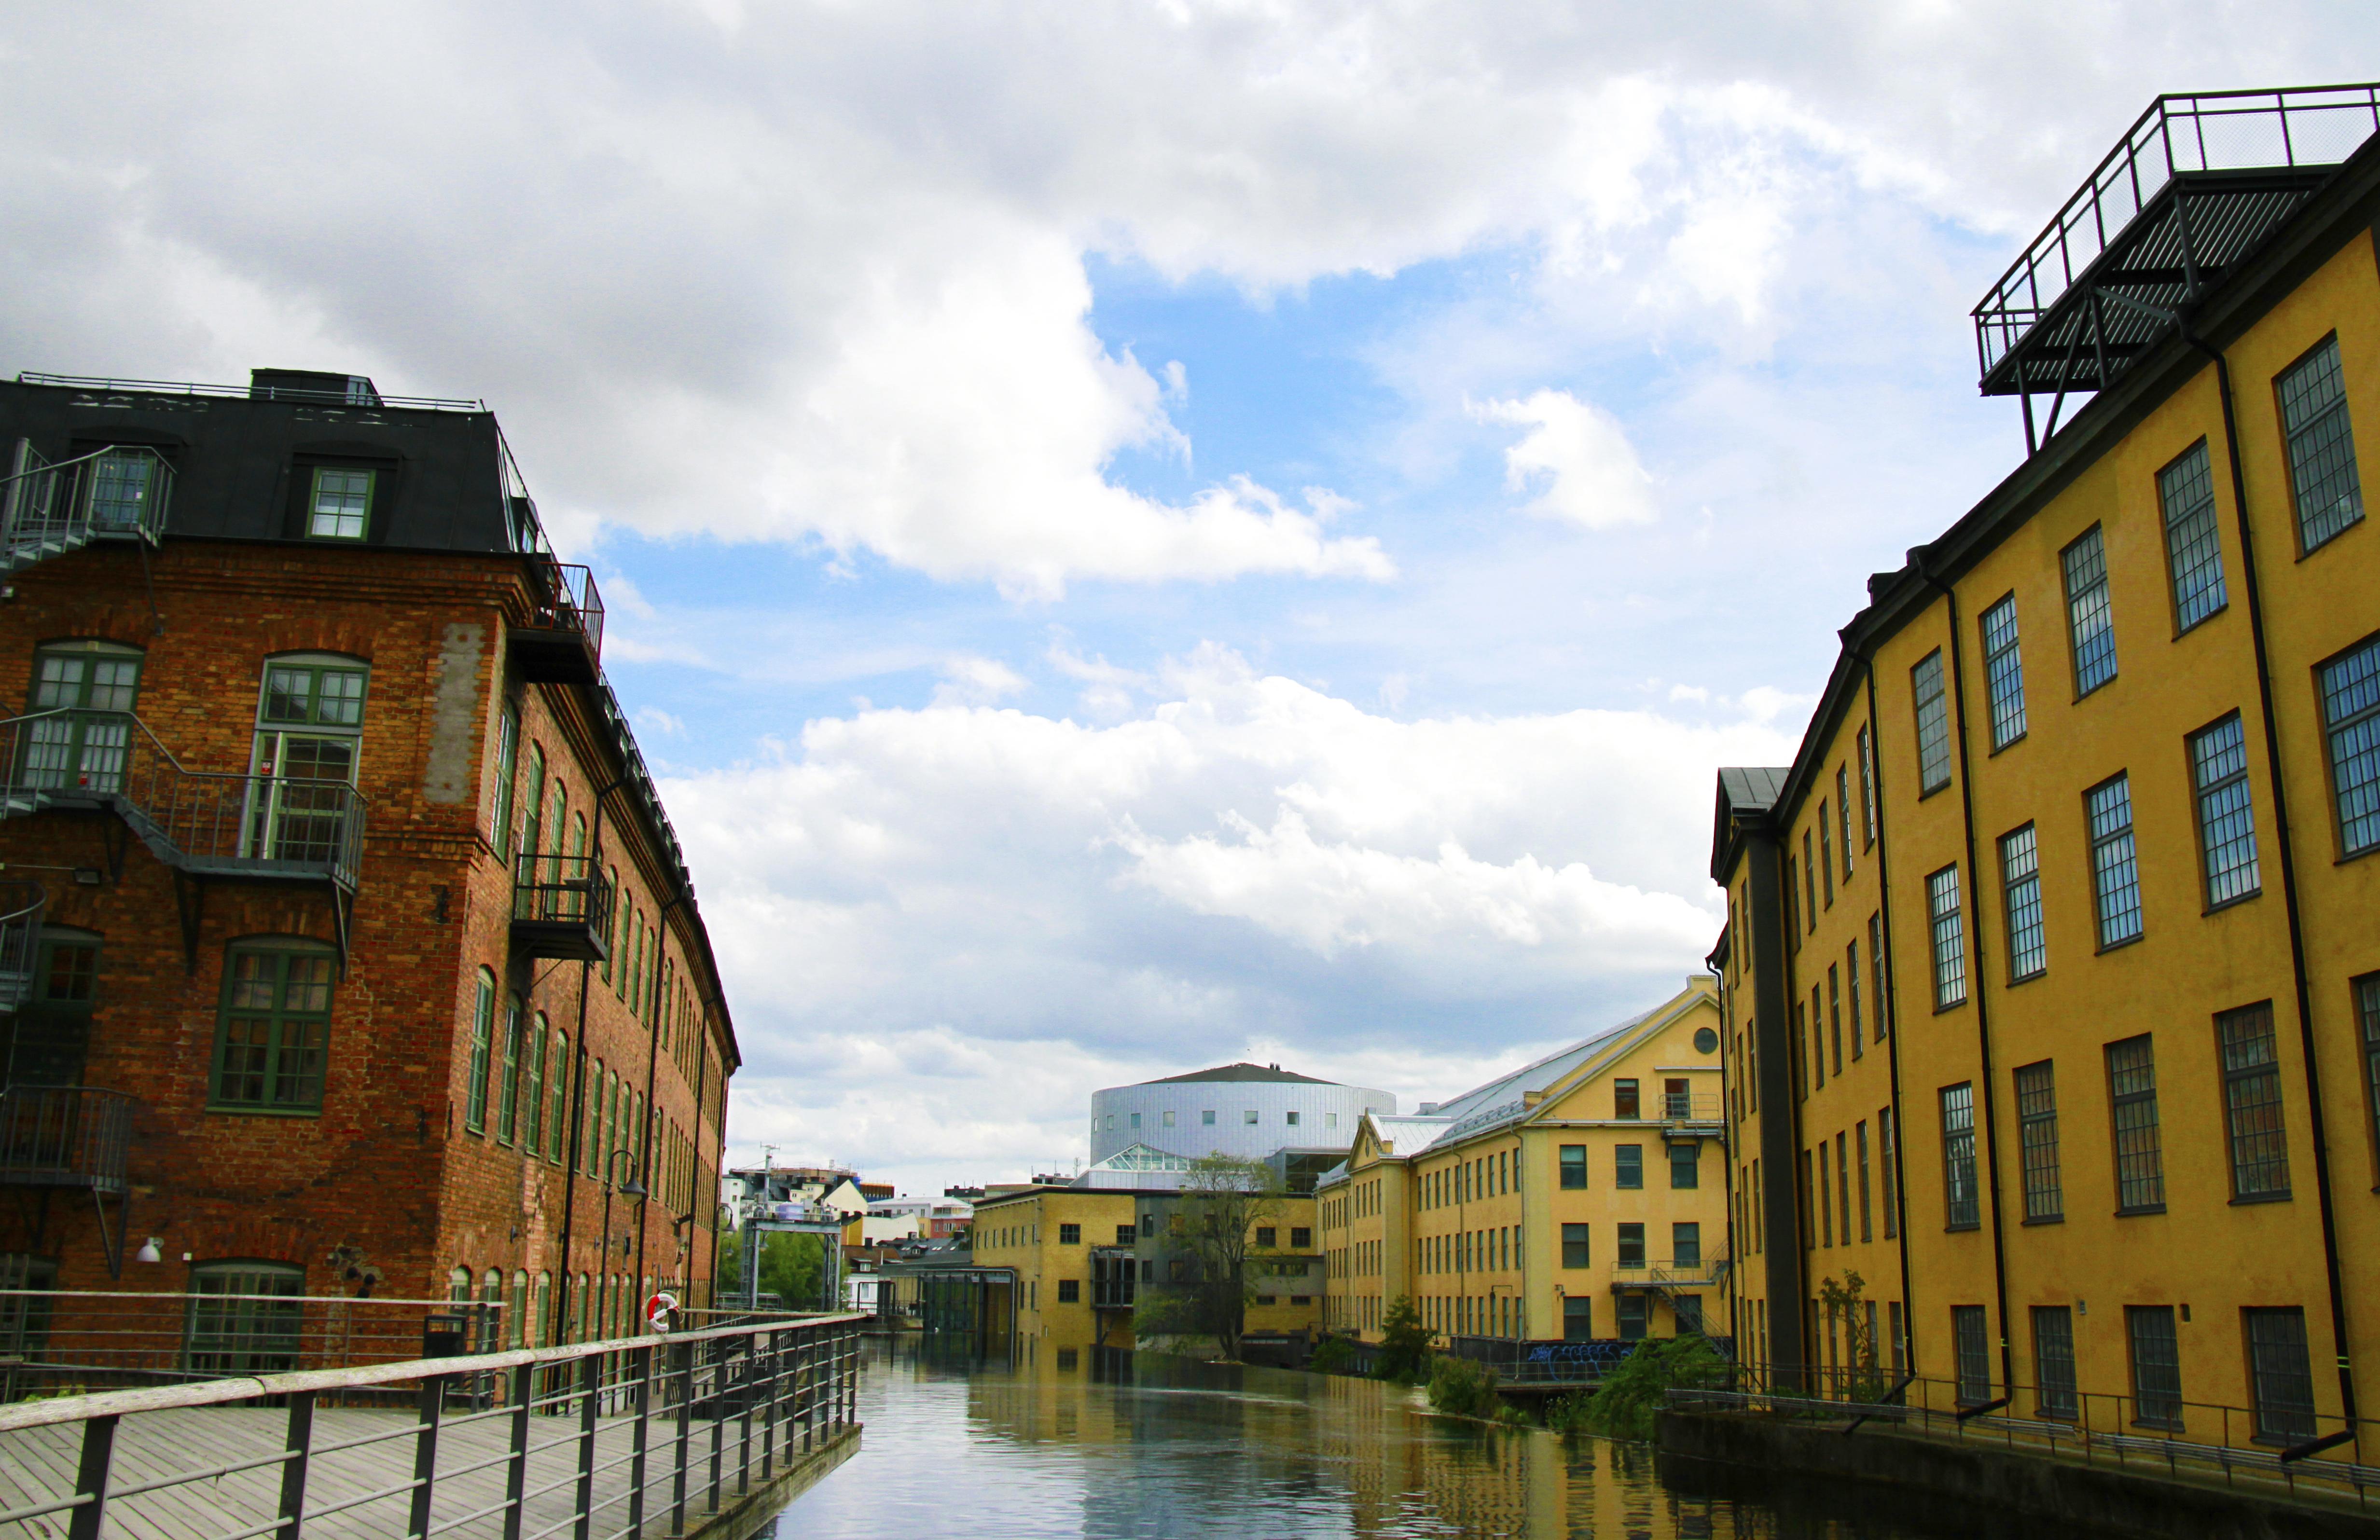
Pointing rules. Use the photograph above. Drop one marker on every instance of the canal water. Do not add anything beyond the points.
(1165, 1448)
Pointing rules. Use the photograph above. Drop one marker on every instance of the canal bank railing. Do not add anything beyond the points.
(2311, 1454)
(608, 1440)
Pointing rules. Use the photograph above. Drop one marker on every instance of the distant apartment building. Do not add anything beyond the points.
(1581, 1197)
(2052, 975)
(349, 944)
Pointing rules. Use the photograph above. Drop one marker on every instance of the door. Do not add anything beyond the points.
(92, 685)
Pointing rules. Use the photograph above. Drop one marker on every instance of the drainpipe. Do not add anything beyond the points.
(1990, 1109)
(1888, 1002)
(2317, 1125)
(578, 1092)
(652, 1069)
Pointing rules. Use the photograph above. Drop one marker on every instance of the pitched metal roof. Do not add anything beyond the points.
(1273, 1073)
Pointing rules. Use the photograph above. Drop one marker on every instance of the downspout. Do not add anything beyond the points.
(578, 1092)
(2288, 877)
(1975, 953)
(1799, 1084)
(652, 1069)
(1889, 1003)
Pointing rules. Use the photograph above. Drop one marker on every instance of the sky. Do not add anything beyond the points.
(1140, 535)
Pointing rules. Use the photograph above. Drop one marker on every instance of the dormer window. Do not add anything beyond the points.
(339, 507)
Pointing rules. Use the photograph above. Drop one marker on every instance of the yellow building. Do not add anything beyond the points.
(2085, 1093)
(1285, 1264)
(1582, 1197)
(1057, 1254)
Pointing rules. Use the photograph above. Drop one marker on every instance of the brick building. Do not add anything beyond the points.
(349, 939)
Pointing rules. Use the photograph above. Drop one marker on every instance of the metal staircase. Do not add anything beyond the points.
(48, 509)
(207, 826)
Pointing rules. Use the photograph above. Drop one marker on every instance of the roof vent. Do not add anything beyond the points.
(1272, 1066)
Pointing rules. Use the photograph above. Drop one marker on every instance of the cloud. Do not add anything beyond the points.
(1245, 858)
(977, 682)
(1580, 457)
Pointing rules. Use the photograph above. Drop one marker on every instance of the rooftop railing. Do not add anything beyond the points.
(107, 385)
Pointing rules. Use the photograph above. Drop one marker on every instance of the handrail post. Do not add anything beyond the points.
(92, 1477)
(590, 1380)
(644, 1430)
(718, 1421)
(524, 1395)
(744, 1430)
(425, 1453)
(299, 1445)
(684, 1437)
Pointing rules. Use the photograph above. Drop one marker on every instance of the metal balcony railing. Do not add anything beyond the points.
(561, 906)
(1684, 1108)
(74, 1136)
(1681, 1272)
(276, 822)
(48, 509)
(562, 642)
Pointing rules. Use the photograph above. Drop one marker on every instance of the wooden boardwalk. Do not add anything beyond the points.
(39, 1463)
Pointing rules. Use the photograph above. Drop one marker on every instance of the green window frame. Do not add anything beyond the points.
(557, 1080)
(533, 804)
(84, 749)
(533, 1094)
(507, 767)
(339, 503)
(229, 1330)
(272, 1034)
(483, 1022)
(51, 1039)
(508, 1095)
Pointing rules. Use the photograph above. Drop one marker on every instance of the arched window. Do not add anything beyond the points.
(500, 824)
(542, 1327)
(273, 1034)
(92, 685)
(557, 1080)
(533, 804)
(475, 1090)
(517, 1313)
(458, 1286)
(508, 1095)
(533, 1094)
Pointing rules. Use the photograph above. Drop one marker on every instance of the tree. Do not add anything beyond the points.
(1404, 1341)
(1223, 1200)
(1859, 1377)
(790, 1265)
(1624, 1405)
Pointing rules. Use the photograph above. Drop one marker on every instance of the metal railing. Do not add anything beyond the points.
(569, 601)
(21, 904)
(248, 392)
(65, 1136)
(1683, 1106)
(280, 821)
(1706, 1272)
(549, 889)
(2177, 135)
(2284, 1446)
(618, 1439)
(48, 508)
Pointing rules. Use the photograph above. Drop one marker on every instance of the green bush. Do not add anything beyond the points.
(1570, 1413)
(1623, 1408)
(1330, 1356)
(1404, 1343)
(1461, 1388)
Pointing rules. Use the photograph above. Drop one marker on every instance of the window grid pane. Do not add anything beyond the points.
(2367, 1000)
(2053, 1360)
(2277, 1352)
(1974, 1353)
(1949, 938)
(2194, 552)
(2251, 1103)
(2004, 673)
(2226, 823)
(274, 1037)
(341, 500)
(2350, 702)
(2114, 867)
(1960, 1208)
(2090, 618)
(2321, 446)
(2037, 1104)
(2156, 1366)
(1933, 724)
(2139, 1155)
(2021, 880)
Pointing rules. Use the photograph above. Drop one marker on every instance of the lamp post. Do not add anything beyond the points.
(631, 1188)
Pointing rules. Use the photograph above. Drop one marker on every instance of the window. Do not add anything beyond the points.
(1070, 1291)
(2193, 553)
(1868, 1212)
(1960, 1206)
(1685, 1245)
(508, 1094)
(2021, 895)
(339, 505)
(2036, 1113)
(1826, 852)
(1301, 1238)
(1136, 1119)
(1573, 1157)
(84, 749)
(2226, 823)
(2321, 446)
(1070, 1235)
(2284, 1380)
(1852, 993)
(1265, 1236)
(52, 1041)
(121, 481)
(2351, 699)
(2053, 1361)
(1169, 1120)
(1818, 1037)
(1250, 1115)
(1809, 881)
(2139, 1155)
(272, 1036)
(1628, 1166)
(2156, 1366)
(1207, 1120)
(243, 1318)
(1835, 1014)
(1624, 1099)
(2003, 673)
(2251, 1103)
(1632, 1246)
(557, 1082)
(1867, 790)
(1949, 938)
(2090, 618)
(1290, 1118)
(2115, 870)
(1876, 968)
(308, 725)
(2367, 1006)
(1933, 724)
(1843, 814)
(1685, 1165)
(1974, 1349)
(1578, 1318)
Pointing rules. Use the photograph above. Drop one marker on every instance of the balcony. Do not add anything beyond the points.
(48, 509)
(1686, 1117)
(1679, 1274)
(561, 907)
(1114, 1272)
(562, 642)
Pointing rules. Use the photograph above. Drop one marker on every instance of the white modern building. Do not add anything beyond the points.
(1246, 1110)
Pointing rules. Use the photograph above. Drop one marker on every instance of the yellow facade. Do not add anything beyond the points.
(2152, 1138)
(1045, 1237)
(1581, 1197)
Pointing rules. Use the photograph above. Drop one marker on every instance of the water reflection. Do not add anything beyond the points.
(1113, 1445)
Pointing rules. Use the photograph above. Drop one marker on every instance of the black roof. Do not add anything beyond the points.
(1745, 791)
(1242, 1072)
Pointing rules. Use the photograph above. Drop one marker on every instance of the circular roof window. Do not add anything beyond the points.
(1705, 1040)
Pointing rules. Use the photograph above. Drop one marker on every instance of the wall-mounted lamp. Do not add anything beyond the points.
(149, 1252)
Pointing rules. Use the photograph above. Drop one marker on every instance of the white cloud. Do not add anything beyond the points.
(1578, 459)
(977, 682)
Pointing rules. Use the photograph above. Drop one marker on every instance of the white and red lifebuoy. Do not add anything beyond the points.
(658, 1311)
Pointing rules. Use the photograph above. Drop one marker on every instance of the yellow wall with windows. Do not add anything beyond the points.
(1028, 1231)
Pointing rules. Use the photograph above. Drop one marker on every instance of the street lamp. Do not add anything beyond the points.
(631, 1188)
